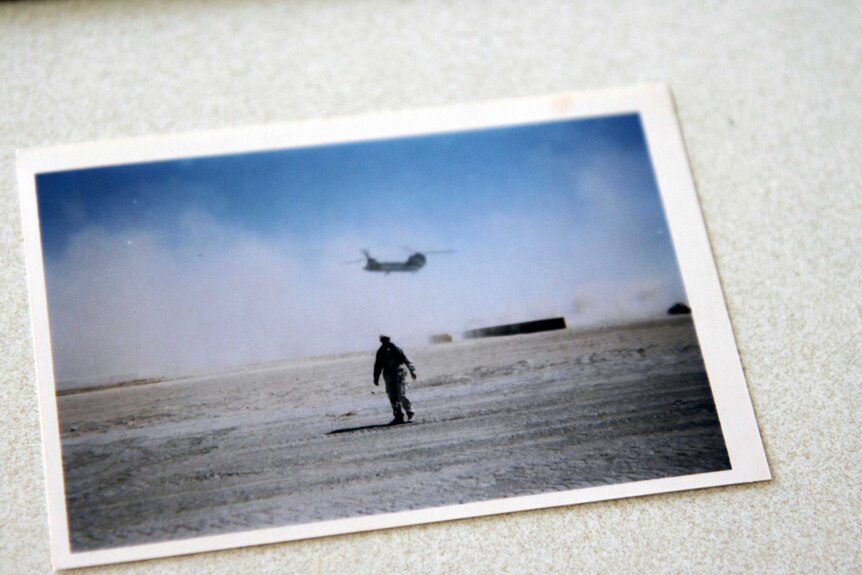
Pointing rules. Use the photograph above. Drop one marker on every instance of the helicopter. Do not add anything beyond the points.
(414, 263)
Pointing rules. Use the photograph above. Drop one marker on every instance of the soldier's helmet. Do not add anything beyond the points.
(384, 339)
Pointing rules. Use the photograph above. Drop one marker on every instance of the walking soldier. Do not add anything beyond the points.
(392, 362)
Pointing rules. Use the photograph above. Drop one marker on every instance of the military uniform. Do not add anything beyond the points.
(394, 364)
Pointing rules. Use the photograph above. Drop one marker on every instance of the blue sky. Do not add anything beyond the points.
(209, 262)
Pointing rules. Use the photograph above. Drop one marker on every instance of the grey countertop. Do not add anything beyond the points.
(768, 98)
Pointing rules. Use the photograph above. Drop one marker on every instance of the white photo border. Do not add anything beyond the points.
(654, 105)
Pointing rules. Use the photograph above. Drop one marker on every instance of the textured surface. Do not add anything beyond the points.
(497, 417)
(767, 95)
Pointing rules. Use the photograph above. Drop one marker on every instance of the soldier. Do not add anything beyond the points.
(391, 360)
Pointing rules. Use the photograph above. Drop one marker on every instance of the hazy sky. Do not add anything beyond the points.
(206, 263)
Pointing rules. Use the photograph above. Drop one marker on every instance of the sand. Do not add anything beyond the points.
(496, 417)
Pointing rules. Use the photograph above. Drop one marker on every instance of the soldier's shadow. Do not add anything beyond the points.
(364, 428)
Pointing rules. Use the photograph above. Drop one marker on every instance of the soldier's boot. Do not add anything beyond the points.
(399, 418)
(410, 416)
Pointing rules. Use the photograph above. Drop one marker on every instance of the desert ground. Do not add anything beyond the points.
(495, 418)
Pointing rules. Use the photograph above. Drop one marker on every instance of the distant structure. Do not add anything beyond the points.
(518, 328)
(679, 309)
(441, 338)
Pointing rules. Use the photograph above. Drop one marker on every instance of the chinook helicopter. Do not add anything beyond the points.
(414, 263)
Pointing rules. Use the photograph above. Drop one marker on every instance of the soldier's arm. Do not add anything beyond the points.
(378, 367)
(409, 365)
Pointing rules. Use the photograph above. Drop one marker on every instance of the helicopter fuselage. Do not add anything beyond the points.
(413, 264)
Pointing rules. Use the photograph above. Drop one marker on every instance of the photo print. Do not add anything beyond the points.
(277, 333)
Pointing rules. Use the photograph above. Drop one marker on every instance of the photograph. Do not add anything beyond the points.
(351, 324)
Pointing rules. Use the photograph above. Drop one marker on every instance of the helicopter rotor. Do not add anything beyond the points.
(412, 251)
(359, 261)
